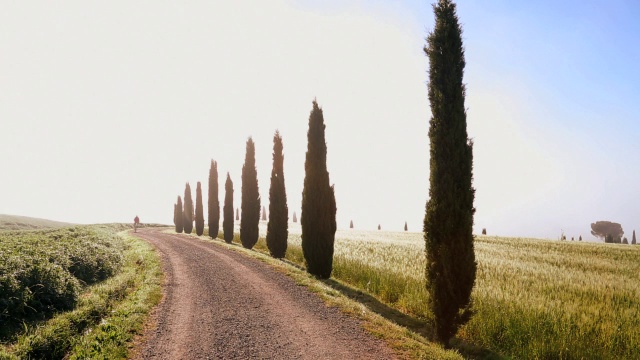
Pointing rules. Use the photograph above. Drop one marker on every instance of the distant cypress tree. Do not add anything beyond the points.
(188, 210)
(448, 223)
(199, 211)
(580, 238)
(237, 214)
(633, 239)
(351, 224)
(625, 241)
(214, 202)
(484, 231)
(227, 222)
(318, 215)
(379, 227)
(250, 205)
(175, 213)
(278, 226)
(295, 218)
(406, 228)
(179, 216)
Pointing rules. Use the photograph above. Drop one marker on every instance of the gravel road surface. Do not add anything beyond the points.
(220, 304)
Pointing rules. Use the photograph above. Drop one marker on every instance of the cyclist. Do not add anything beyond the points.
(136, 222)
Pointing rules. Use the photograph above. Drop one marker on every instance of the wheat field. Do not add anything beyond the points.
(534, 299)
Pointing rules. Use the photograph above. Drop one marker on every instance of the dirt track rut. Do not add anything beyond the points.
(219, 304)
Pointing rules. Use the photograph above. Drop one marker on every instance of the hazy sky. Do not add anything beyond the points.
(108, 108)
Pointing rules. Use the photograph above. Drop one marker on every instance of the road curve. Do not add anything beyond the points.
(219, 304)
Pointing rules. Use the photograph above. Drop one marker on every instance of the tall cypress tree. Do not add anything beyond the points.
(318, 215)
(214, 203)
(406, 228)
(188, 210)
(264, 214)
(448, 223)
(295, 218)
(199, 211)
(250, 199)
(237, 214)
(278, 226)
(227, 222)
(175, 213)
(351, 224)
(179, 216)
(633, 239)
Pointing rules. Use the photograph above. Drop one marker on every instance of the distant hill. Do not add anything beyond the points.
(14, 222)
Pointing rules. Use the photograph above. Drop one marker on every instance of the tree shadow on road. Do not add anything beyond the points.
(422, 327)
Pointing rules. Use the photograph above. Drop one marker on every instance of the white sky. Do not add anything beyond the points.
(108, 108)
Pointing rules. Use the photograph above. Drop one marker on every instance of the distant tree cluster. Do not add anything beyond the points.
(610, 232)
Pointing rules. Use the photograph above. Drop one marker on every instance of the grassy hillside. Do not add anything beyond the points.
(14, 222)
(533, 298)
(76, 292)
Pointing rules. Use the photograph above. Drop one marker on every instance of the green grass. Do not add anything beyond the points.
(106, 315)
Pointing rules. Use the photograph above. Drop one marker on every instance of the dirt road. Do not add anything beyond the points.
(220, 304)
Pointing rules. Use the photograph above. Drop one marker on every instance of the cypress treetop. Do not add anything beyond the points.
(188, 210)
(318, 215)
(250, 220)
(448, 223)
(227, 222)
(199, 211)
(179, 216)
(213, 203)
(278, 226)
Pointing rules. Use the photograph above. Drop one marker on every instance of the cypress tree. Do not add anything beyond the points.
(580, 238)
(264, 213)
(214, 203)
(448, 223)
(250, 199)
(199, 211)
(227, 222)
(295, 218)
(278, 226)
(484, 231)
(351, 224)
(178, 216)
(318, 215)
(379, 227)
(625, 241)
(406, 228)
(188, 210)
(633, 238)
(237, 214)
(175, 213)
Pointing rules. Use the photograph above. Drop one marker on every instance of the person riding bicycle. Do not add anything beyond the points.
(136, 222)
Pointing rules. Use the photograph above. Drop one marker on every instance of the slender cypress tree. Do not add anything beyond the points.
(295, 218)
(175, 213)
(227, 222)
(633, 238)
(406, 228)
(379, 227)
(178, 216)
(237, 214)
(448, 223)
(214, 203)
(318, 215)
(188, 210)
(264, 214)
(250, 199)
(278, 226)
(351, 224)
(199, 211)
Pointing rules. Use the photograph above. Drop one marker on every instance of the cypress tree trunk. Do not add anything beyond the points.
(451, 265)
(227, 222)
(179, 216)
(199, 211)
(214, 203)
(188, 210)
(318, 215)
(250, 199)
(278, 226)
